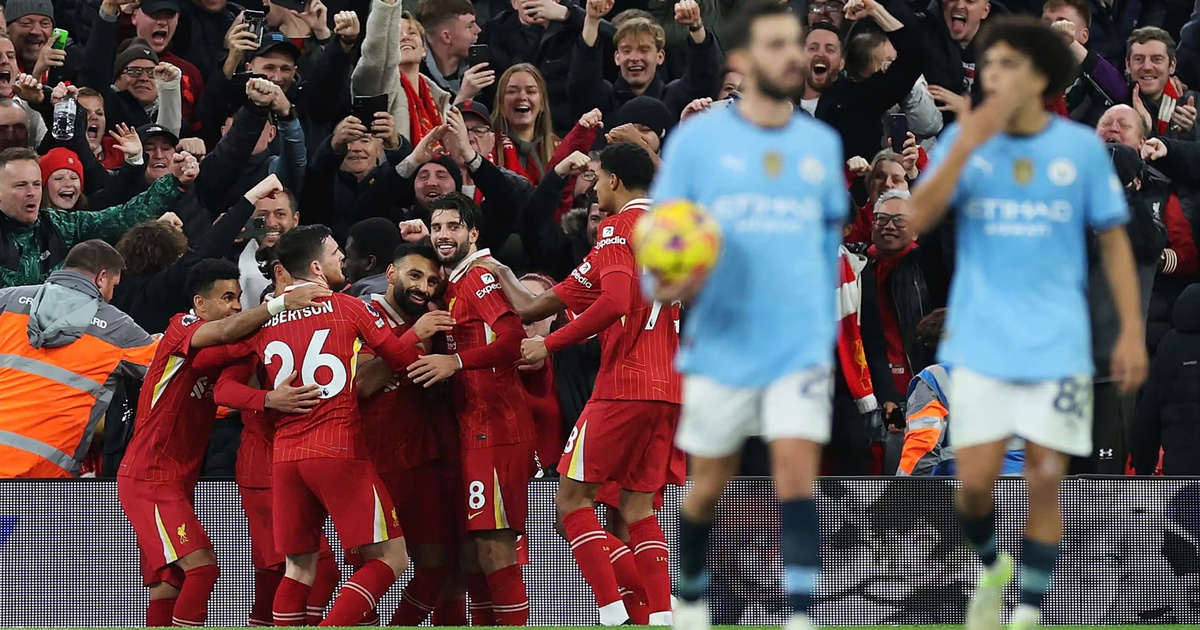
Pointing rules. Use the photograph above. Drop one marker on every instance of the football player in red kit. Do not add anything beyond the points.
(238, 388)
(625, 433)
(399, 420)
(320, 459)
(495, 424)
(157, 479)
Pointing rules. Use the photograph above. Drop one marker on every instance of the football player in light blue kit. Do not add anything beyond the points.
(758, 343)
(1027, 186)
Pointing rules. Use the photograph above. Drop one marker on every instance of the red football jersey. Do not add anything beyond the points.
(320, 344)
(176, 409)
(399, 420)
(637, 354)
(490, 403)
(253, 468)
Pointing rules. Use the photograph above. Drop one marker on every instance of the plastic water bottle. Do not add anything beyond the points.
(63, 127)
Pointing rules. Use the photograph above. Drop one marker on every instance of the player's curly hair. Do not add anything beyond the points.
(468, 211)
(1043, 45)
(151, 246)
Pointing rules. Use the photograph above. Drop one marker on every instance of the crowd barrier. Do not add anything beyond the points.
(891, 554)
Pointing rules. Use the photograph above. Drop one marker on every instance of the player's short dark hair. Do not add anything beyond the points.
(93, 256)
(1043, 45)
(631, 164)
(740, 28)
(208, 272)
(423, 249)
(468, 211)
(1148, 34)
(376, 237)
(1082, 7)
(299, 247)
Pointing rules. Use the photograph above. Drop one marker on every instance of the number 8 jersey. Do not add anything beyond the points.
(320, 344)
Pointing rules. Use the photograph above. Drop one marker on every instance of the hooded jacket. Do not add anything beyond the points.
(28, 253)
(1168, 415)
(64, 351)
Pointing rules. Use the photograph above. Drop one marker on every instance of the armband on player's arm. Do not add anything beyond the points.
(503, 352)
(616, 294)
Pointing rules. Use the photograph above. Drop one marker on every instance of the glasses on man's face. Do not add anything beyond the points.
(881, 220)
(588, 176)
(137, 72)
(481, 130)
(825, 7)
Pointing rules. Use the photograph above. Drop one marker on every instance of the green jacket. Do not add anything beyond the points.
(28, 253)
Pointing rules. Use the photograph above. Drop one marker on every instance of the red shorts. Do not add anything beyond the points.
(256, 503)
(349, 490)
(166, 526)
(497, 483)
(629, 442)
(424, 511)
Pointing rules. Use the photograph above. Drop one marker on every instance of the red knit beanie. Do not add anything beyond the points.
(60, 158)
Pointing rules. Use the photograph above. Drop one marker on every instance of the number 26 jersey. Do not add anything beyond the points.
(320, 344)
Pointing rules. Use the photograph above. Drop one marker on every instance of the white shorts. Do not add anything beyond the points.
(717, 418)
(1054, 414)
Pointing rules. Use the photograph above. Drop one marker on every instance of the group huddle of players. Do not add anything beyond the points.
(403, 417)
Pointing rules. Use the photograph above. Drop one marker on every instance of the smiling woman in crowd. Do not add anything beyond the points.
(523, 116)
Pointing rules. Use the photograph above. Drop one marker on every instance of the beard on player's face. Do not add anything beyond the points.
(451, 258)
(412, 301)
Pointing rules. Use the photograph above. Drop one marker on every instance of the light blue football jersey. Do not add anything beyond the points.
(1018, 302)
(767, 309)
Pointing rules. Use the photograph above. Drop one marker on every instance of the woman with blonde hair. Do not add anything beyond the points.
(522, 116)
(392, 51)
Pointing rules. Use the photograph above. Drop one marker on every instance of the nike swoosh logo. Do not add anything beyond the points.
(472, 516)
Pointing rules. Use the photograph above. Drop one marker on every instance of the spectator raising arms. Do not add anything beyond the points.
(415, 101)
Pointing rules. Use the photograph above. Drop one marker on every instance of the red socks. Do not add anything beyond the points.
(633, 593)
(159, 612)
(481, 600)
(451, 612)
(191, 608)
(360, 595)
(592, 550)
(290, 600)
(650, 552)
(266, 582)
(510, 603)
(419, 597)
(321, 591)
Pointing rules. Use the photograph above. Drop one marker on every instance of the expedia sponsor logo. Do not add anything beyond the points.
(579, 274)
(482, 293)
(612, 240)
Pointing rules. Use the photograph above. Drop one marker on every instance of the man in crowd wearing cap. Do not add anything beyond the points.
(156, 22)
(30, 24)
(133, 78)
(643, 121)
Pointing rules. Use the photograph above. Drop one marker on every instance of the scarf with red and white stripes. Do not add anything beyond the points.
(851, 356)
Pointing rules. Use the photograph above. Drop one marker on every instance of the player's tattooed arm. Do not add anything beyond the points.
(530, 306)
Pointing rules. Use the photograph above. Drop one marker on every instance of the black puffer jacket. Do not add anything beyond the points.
(1168, 416)
(917, 288)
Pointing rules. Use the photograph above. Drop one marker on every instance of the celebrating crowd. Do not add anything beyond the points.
(166, 164)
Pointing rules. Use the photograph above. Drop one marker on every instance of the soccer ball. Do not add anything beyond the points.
(676, 240)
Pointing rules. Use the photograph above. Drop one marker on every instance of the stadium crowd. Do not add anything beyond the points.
(187, 132)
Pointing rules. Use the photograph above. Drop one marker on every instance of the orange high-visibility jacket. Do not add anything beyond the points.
(53, 397)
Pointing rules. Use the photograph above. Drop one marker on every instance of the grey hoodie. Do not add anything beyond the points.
(63, 309)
